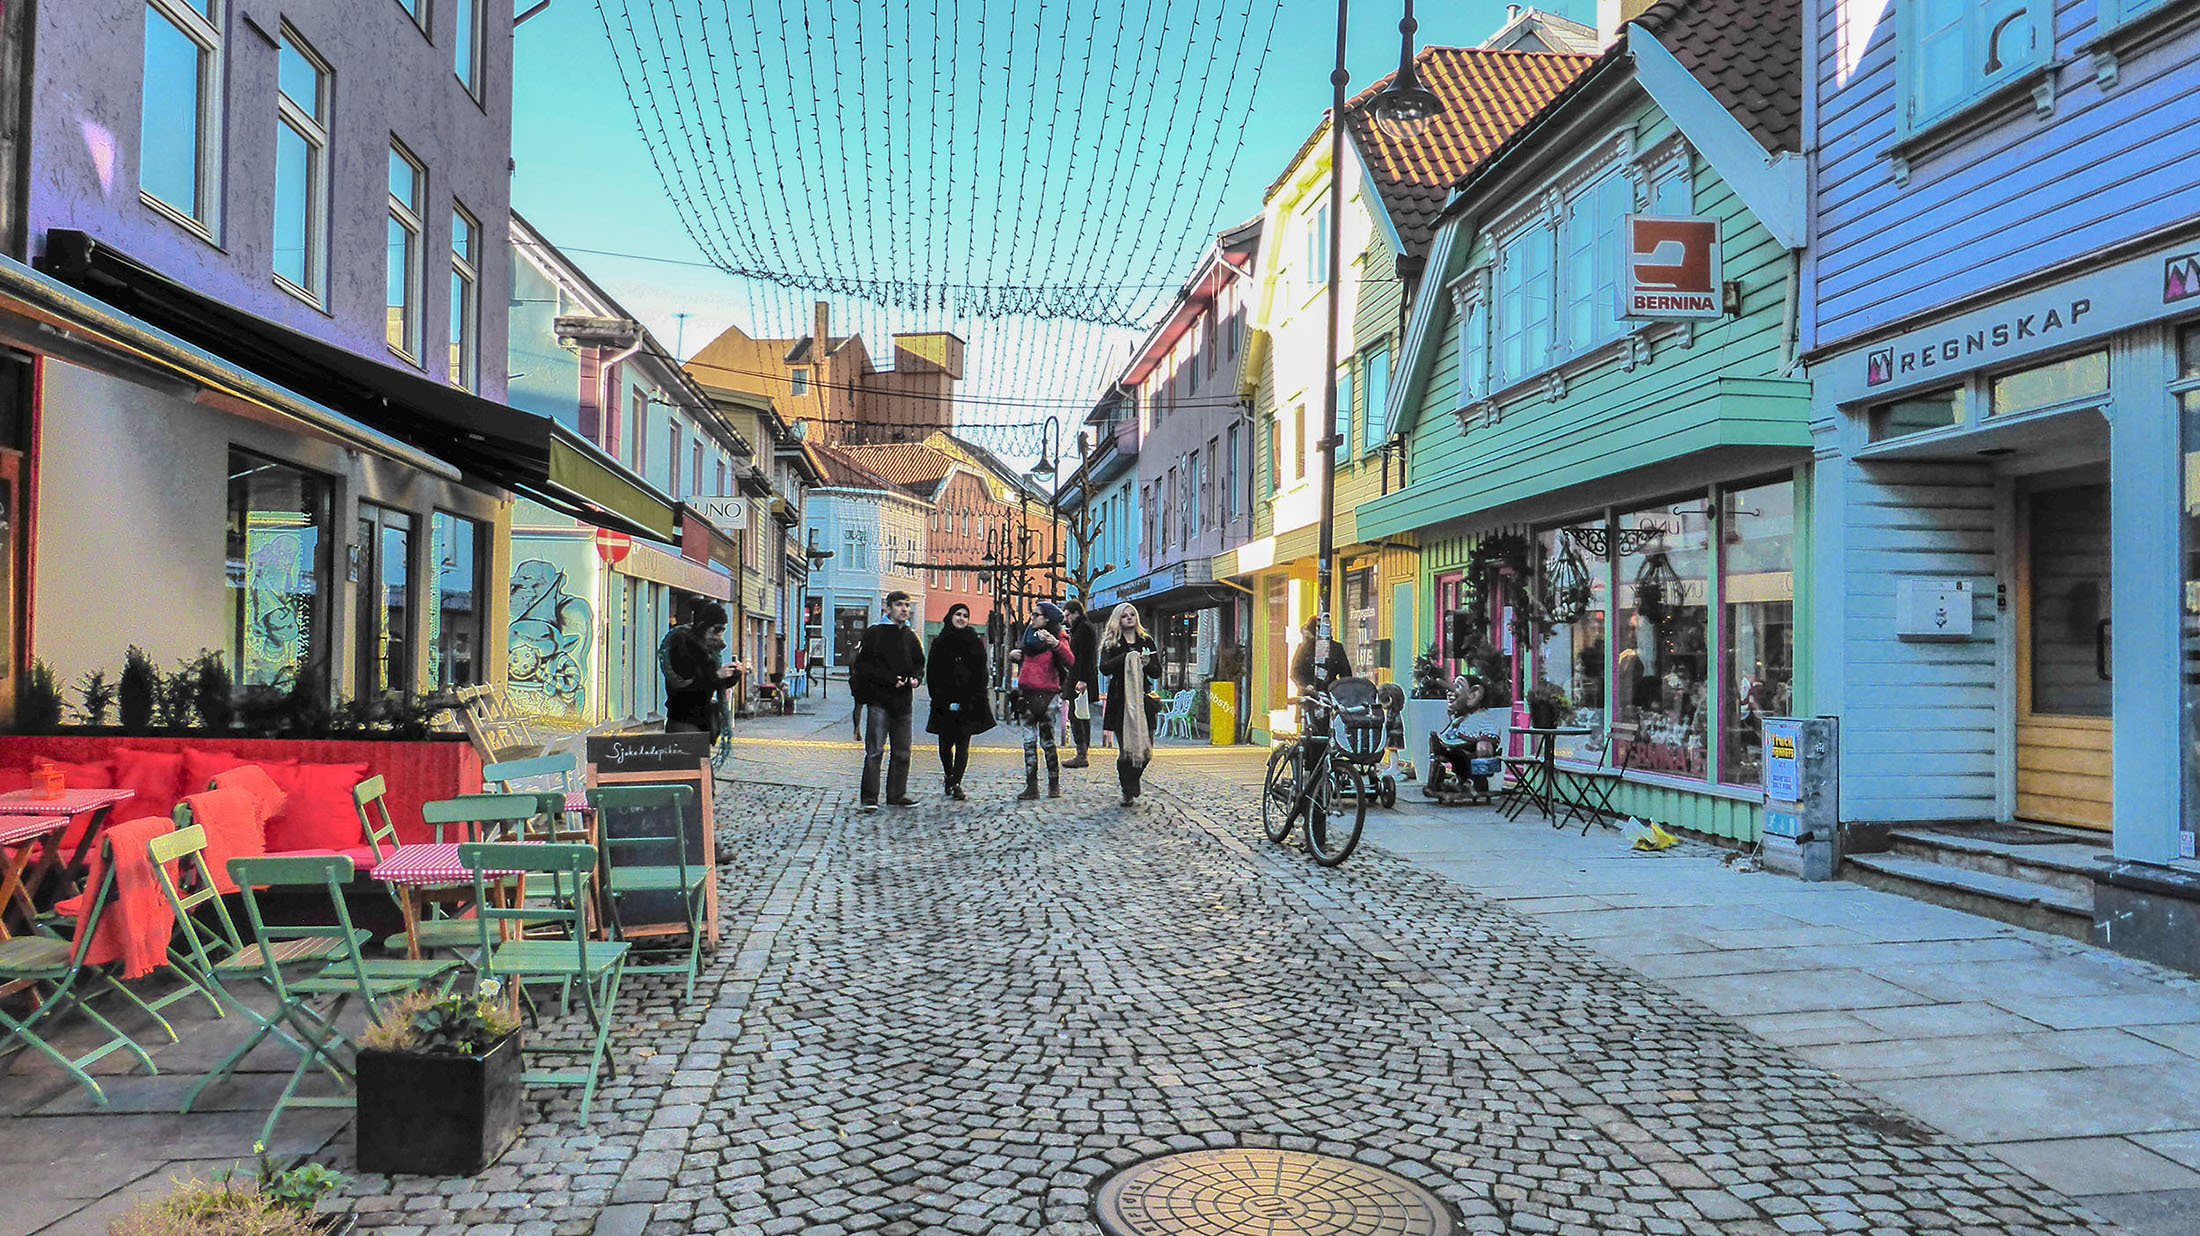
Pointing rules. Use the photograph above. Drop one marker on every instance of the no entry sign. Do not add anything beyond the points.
(613, 547)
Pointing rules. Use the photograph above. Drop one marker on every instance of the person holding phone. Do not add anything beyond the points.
(888, 667)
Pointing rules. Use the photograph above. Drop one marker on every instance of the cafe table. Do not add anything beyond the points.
(415, 870)
(25, 840)
(96, 807)
(1538, 783)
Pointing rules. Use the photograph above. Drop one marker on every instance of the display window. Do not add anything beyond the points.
(1757, 624)
(2187, 390)
(278, 572)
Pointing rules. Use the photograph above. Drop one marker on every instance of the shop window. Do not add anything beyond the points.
(2188, 404)
(2073, 379)
(456, 620)
(1757, 623)
(1279, 651)
(1574, 592)
(1448, 590)
(1917, 414)
(1660, 670)
(381, 574)
(278, 569)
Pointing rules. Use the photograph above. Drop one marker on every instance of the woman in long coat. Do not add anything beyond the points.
(1131, 662)
(962, 705)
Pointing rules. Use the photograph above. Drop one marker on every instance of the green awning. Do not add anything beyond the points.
(582, 474)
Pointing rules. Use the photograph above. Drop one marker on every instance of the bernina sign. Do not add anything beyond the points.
(1672, 269)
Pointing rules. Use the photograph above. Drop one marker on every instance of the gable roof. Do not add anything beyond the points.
(844, 471)
(1748, 54)
(906, 465)
(1486, 95)
(1532, 29)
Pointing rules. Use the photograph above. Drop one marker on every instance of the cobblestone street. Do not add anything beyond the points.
(963, 1017)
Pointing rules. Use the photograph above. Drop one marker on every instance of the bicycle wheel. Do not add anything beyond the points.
(1279, 791)
(1333, 825)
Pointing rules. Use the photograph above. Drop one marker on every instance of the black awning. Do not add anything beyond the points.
(530, 455)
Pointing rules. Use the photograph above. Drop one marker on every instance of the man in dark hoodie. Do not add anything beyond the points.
(1084, 689)
(888, 665)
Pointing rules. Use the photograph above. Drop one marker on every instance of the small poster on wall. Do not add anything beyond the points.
(1508, 624)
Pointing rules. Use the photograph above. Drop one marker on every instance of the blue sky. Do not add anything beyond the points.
(959, 144)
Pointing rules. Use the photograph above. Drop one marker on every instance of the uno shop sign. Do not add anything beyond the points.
(2162, 283)
(1672, 270)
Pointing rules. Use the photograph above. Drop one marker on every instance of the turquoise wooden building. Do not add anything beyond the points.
(1621, 504)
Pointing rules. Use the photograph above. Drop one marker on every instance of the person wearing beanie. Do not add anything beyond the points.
(1045, 670)
(962, 708)
(1084, 688)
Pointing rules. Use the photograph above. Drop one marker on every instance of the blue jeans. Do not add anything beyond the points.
(882, 728)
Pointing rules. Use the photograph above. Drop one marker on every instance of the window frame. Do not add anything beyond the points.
(314, 130)
(420, 14)
(1378, 413)
(1976, 91)
(468, 61)
(409, 216)
(438, 519)
(1316, 220)
(204, 217)
(465, 302)
(1536, 333)
(1347, 388)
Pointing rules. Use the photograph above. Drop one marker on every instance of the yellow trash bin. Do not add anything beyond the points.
(1222, 713)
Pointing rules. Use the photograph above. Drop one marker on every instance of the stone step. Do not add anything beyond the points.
(2008, 899)
(2070, 866)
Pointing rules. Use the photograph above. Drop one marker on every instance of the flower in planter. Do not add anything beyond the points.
(426, 1023)
(279, 1203)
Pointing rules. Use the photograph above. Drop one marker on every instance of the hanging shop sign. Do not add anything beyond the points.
(731, 514)
(613, 547)
(1672, 269)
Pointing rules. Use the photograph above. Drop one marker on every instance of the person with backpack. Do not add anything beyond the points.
(1046, 668)
(888, 666)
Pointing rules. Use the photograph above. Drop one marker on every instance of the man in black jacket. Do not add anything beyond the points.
(1084, 690)
(888, 665)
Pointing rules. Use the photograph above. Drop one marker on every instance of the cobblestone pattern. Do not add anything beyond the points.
(961, 1018)
(561, 1177)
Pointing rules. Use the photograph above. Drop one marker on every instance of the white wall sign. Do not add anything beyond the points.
(730, 514)
(1670, 269)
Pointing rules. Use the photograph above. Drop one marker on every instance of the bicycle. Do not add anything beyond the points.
(1307, 785)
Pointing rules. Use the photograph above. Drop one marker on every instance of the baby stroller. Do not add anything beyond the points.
(1363, 733)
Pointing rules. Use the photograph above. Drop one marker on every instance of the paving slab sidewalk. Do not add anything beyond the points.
(2075, 1065)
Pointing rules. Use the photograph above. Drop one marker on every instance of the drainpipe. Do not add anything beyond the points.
(606, 368)
(1791, 327)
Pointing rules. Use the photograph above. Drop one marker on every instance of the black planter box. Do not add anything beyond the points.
(437, 1115)
(1543, 714)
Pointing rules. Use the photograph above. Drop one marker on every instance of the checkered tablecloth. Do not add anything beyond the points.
(578, 801)
(71, 802)
(17, 829)
(422, 865)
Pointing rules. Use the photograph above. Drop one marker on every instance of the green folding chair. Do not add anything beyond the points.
(54, 971)
(643, 849)
(476, 817)
(208, 951)
(508, 776)
(568, 958)
(347, 974)
(370, 798)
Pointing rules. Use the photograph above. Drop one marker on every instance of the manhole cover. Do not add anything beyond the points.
(1260, 1192)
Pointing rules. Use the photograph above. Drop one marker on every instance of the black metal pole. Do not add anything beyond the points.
(1325, 567)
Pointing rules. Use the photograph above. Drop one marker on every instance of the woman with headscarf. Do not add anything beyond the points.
(1131, 661)
(961, 708)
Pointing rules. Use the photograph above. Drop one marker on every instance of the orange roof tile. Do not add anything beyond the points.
(1487, 96)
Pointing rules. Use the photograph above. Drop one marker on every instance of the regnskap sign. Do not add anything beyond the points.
(1669, 269)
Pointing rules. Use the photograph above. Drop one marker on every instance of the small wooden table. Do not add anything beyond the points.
(1540, 784)
(95, 805)
(415, 869)
(24, 840)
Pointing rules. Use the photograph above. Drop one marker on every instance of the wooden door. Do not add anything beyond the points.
(2064, 724)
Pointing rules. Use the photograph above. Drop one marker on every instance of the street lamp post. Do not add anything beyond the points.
(1400, 111)
(1050, 467)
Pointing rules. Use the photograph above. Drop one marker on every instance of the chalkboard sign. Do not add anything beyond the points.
(661, 759)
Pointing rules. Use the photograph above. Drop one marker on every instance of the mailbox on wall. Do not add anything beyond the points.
(1932, 608)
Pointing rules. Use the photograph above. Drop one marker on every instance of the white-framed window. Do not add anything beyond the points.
(1951, 53)
(1343, 426)
(465, 300)
(1525, 292)
(1375, 381)
(418, 11)
(1316, 220)
(301, 168)
(798, 382)
(1474, 351)
(1230, 477)
(179, 146)
(408, 186)
(1207, 339)
(466, 46)
(1589, 272)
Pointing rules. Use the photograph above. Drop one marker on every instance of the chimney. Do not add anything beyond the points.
(1613, 16)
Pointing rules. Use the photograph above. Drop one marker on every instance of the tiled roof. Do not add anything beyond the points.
(1748, 54)
(846, 472)
(1487, 96)
(908, 465)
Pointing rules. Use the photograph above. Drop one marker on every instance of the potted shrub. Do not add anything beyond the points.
(277, 1203)
(1547, 706)
(439, 1084)
(1427, 710)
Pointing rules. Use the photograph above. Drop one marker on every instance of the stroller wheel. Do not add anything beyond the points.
(1390, 791)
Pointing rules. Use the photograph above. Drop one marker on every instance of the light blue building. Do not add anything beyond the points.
(1103, 491)
(2001, 321)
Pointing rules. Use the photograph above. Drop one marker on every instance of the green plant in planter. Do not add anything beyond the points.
(451, 1024)
(1429, 682)
(135, 693)
(213, 695)
(1547, 704)
(38, 707)
(95, 697)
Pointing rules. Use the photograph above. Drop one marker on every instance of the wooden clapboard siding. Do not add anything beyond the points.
(1921, 722)
(2108, 164)
(1721, 390)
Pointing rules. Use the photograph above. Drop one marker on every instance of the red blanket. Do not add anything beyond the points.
(137, 923)
(235, 828)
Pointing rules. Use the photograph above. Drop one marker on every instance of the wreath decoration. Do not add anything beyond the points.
(1505, 554)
